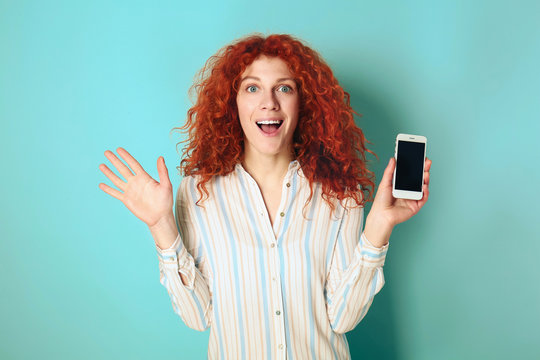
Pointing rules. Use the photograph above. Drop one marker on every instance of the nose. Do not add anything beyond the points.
(269, 101)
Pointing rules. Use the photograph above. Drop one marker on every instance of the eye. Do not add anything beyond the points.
(285, 88)
(251, 88)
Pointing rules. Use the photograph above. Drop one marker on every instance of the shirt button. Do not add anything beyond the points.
(281, 346)
(278, 312)
(273, 244)
(282, 214)
(288, 184)
(274, 279)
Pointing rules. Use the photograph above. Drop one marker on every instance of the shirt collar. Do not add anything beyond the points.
(293, 165)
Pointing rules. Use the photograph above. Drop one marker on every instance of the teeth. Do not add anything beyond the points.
(269, 122)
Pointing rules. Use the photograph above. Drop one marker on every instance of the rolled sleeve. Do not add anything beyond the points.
(176, 259)
(356, 274)
(370, 255)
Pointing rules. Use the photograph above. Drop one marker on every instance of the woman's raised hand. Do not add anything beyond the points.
(147, 199)
(387, 211)
(394, 210)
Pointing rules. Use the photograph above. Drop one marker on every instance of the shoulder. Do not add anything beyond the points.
(185, 189)
(192, 188)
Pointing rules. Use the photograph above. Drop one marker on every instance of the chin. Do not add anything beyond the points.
(269, 150)
(267, 147)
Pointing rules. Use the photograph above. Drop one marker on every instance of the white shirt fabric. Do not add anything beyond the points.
(290, 290)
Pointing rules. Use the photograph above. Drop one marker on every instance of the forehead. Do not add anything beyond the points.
(265, 67)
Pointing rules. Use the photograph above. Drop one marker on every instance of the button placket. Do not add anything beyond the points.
(270, 235)
(279, 320)
(277, 295)
(277, 226)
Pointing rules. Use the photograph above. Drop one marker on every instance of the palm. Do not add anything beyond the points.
(393, 210)
(146, 198)
(401, 210)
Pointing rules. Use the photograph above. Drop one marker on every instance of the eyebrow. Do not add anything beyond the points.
(258, 79)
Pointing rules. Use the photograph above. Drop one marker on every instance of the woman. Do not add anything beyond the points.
(270, 254)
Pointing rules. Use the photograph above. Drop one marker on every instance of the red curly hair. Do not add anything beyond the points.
(328, 145)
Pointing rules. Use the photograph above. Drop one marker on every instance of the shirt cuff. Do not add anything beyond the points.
(177, 243)
(368, 243)
(177, 259)
(176, 253)
(372, 256)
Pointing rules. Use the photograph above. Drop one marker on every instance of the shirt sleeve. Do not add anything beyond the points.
(355, 274)
(193, 301)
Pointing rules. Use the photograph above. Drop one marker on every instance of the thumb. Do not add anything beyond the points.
(162, 171)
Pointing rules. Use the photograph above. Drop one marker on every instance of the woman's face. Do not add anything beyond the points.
(268, 104)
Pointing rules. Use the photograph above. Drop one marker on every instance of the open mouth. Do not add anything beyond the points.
(269, 126)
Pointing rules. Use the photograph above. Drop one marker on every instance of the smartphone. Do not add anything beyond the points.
(410, 157)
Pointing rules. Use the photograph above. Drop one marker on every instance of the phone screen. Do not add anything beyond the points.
(410, 166)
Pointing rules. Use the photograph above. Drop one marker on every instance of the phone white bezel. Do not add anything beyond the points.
(404, 194)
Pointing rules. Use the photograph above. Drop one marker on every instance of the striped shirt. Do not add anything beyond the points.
(290, 290)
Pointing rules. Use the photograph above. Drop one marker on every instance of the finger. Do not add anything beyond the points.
(424, 199)
(112, 176)
(133, 164)
(113, 192)
(163, 173)
(426, 178)
(386, 180)
(427, 165)
(120, 166)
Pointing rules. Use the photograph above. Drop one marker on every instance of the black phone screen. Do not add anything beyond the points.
(410, 165)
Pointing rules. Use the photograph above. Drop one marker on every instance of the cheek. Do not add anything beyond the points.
(293, 108)
(245, 109)
(244, 115)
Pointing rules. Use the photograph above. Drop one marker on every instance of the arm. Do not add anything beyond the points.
(185, 278)
(355, 274)
(356, 270)
(152, 201)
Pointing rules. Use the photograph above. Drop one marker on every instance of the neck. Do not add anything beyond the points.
(266, 169)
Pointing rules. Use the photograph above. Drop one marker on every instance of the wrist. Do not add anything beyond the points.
(378, 230)
(165, 222)
(164, 232)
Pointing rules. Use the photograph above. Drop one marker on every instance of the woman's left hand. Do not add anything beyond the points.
(387, 211)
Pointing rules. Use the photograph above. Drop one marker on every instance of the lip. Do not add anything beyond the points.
(274, 133)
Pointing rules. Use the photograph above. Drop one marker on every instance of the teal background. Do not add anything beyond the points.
(79, 273)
